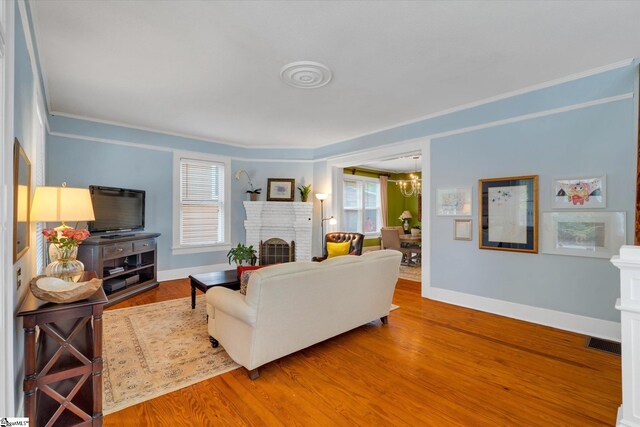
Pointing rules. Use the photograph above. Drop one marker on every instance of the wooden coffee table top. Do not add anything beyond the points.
(217, 278)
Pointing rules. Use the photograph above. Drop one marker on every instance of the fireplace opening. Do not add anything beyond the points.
(276, 251)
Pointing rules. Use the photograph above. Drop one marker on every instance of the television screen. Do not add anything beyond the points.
(116, 209)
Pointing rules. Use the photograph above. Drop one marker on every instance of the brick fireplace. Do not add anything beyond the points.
(289, 221)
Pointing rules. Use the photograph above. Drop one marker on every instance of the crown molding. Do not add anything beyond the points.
(527, 89)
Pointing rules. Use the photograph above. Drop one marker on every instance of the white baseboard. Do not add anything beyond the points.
(183, 273)
(556, 319)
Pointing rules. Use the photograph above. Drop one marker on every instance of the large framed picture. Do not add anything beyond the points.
(587, 234)
(508, 214)
(280, 189)
(453, 201)
(580, 193)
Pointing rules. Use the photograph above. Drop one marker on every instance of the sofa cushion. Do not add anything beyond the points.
(244, 281)
(338, 249)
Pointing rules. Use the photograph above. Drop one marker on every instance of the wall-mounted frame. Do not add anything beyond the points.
(454, 201)
(21, 195)
(280, 189)
(508, 214)
(462, 229)
(586, 234)
(589, 192)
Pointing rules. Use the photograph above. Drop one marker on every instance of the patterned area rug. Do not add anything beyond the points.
(155, 349)
(411, 273)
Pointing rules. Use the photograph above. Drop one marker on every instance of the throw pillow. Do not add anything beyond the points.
(244, 281)
(337, 249)
(243, 268)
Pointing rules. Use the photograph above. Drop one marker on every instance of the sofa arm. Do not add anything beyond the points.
(232, 303)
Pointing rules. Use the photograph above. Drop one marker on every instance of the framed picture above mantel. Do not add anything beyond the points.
(508, 219)
(280, 189)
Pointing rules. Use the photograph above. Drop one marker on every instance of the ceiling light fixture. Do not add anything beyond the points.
(411, 186)
(306, 74)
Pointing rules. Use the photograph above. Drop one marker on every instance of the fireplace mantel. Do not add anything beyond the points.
(290, 221)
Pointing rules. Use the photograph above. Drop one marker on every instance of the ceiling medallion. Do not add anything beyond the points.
(306, 74)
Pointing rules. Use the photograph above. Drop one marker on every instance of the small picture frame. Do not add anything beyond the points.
(280, 189)
(462, 229)
(588, 192)
(584, 234)
(453, 201)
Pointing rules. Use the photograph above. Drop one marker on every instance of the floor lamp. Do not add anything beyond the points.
(322, 197)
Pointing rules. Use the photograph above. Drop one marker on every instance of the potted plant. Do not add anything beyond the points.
(242, 254)
(253, 194)
(305, 190)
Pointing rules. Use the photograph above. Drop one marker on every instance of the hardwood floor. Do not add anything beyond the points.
(434, 364)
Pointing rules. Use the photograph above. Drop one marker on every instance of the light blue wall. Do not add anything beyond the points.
(591, 141)
(606, 84)
(598, 139)
(83, 162)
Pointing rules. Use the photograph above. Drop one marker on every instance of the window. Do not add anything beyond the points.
(361, 201)
(201, 212)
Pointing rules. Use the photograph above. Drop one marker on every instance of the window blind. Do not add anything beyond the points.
(201, 202)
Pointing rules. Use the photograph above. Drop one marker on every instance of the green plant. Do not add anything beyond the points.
(305, 190)
(241, 254)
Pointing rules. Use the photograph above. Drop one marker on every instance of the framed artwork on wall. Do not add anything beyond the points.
(280, 189)
(453, 201)
(462, 229)
(580, 193)
(21, 205)
(586, 234)
(508, 214)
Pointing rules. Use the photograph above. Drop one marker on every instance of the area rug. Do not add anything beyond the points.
(412, 272)
(154, 349)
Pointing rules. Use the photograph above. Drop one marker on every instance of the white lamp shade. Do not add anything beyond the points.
(59, 204)
(406, 215)
(333, 221)
(321, 196)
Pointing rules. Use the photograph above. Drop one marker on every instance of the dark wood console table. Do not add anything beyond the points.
(63, 360)
(134, 253)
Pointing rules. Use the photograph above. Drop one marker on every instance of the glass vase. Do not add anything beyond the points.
(66, 266)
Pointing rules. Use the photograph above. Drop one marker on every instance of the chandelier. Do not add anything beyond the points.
(410, 187)
(413, 185)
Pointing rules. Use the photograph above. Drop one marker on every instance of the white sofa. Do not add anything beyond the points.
(292, 306)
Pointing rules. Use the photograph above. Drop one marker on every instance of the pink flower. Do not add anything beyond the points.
(68, 232)
(48, 233)
(80, 235)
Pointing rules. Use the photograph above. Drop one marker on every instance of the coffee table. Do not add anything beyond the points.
(228, 279)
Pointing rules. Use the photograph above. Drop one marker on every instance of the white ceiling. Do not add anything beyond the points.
(211, 69)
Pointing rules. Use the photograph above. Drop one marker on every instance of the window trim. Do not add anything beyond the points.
(372, 234)
(177, 248)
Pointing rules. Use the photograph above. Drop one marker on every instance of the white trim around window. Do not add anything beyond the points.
(225, 199)
(361, 208)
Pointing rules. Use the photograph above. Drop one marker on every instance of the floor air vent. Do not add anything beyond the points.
(604, 345)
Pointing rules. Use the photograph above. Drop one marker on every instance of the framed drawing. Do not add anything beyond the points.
(508, 214)
(462, 229)
(280, 189)
(587, 234)
(580, 193)
(453, 201)
(21, 192)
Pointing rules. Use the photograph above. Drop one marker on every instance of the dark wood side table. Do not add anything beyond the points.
(63, 362)
(228, 279)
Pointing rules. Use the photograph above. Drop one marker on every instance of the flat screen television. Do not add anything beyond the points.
(116, 209)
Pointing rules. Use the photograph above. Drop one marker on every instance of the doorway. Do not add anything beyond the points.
(355, 180)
